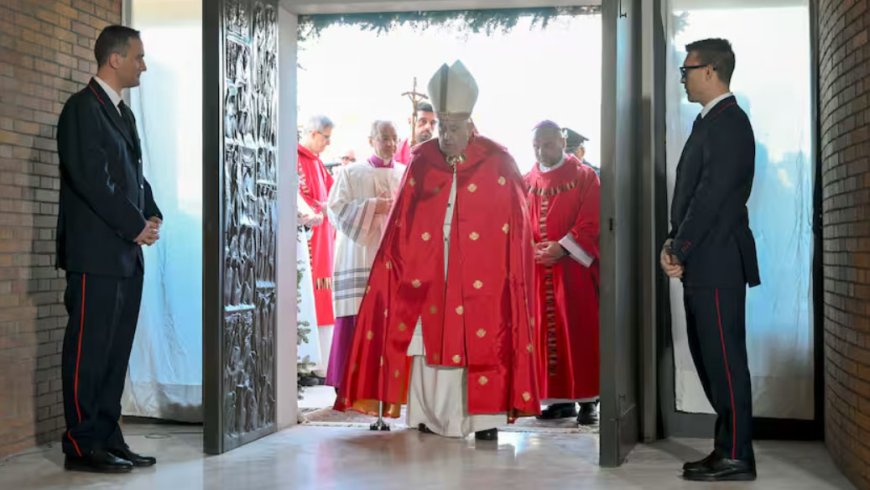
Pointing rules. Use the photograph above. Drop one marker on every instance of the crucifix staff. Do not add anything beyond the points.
(415, 98)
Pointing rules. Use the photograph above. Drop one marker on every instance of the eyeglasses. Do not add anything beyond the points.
(684, 70)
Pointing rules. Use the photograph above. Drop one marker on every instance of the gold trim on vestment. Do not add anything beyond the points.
(552, 191)
(370, 407)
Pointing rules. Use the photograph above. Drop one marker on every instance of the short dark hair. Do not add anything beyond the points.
(425, 107)
(113, 39)
(716, 53)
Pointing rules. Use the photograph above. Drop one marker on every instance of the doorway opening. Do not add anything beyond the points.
(163, 390)
(526, 75)
(784, 334)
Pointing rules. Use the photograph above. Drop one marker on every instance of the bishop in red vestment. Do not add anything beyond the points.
(564, 212)
(447, 302)
(314, 185)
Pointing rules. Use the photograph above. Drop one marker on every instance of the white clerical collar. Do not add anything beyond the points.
(545, 169)
(710, 105)
(115, 97)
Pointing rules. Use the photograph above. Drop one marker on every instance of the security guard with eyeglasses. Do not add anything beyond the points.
(711, 249)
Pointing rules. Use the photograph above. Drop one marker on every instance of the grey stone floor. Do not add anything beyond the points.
(319, 457)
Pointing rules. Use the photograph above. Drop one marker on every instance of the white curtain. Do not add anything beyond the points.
(772, 84)
(308, 351)
(165, 375)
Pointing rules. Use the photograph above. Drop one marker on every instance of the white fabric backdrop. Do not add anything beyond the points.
(165, 375)
(772, 84)
(308, 351)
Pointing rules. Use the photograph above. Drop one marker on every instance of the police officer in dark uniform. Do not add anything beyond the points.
(106, 213)
(575, 144)
(711, 248)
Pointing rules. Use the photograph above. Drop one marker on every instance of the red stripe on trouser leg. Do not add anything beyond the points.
(79, 350)
(75, 445)
(728, 376)
(78, 360)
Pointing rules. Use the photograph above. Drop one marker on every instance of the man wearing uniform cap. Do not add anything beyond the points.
(449, 286)
(575, 144)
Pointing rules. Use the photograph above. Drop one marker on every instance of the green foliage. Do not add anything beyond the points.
(476, 21)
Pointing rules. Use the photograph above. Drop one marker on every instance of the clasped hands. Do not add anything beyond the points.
(151, 233)
(548, 253)
(670, 265)
(383, 203)
(310, 220)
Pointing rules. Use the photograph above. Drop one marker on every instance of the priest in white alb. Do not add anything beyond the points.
(358, 204)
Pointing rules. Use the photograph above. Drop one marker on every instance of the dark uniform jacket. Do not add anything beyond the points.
(709, 219)
(104, 198)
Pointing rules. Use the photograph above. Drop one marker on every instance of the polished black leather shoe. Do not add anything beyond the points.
(137, 460)
(723, 469)
(692, 466)
(558, 411)
(486, 435)
(97, 461)
(588, 415)
(424, 430)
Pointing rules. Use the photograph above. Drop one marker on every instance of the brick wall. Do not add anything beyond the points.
(844, 85)
(46, 54)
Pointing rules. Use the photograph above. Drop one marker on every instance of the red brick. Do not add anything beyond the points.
(84, 30)
(844, 113)
(46, 53)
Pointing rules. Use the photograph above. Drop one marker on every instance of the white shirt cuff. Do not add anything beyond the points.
(576, 251)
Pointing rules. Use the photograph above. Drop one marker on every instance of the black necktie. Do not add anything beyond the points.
(127, 116)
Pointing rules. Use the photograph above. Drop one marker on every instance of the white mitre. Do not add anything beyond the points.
(453, 90)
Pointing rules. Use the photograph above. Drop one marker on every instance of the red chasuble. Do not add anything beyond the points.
(565, 201)
(480, 318)
(314, 185)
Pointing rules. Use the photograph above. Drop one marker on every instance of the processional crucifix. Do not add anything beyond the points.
(415, 98)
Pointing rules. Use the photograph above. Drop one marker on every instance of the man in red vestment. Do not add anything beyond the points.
(564, 212)
(445, 324)
(314, 185)
(424, 129)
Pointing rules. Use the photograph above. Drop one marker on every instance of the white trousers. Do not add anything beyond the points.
(437, 397)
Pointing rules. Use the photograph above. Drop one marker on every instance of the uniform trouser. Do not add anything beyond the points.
(716, 327)
(103, 311)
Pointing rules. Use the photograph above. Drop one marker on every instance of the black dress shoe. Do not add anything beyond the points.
(424, 430)
(693, 466)
(136, 459)
(486, 435)
(97, 461)
(588, 415)
(723, 469)
(558, 411)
